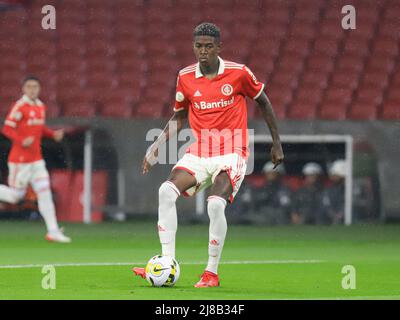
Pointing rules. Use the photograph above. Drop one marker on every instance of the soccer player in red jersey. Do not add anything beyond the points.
(212, 95)
(25, 127)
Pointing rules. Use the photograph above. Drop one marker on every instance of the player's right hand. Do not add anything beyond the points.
(28, 141)
(149, 160)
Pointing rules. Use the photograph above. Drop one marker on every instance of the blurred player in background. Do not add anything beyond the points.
(25, 127)
(308, 200)
(273, 200)
(212, 94)
(334, 195)
(269, 203)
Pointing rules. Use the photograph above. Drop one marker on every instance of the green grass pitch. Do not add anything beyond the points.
(288, 262)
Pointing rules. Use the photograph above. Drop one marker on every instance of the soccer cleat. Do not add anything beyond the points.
(208, 279)
(139, 272)
(57, 236)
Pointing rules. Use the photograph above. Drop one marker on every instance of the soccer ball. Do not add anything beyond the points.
(162, 271)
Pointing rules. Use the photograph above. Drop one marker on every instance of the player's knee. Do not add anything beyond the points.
(222, 185)
(17, 196)
(215, 206)
(168, 193)
(41, 185)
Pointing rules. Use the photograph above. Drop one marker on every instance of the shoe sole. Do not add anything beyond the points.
(205, 286)
(55, 241)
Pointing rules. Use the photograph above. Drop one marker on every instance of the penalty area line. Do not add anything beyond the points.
(110, 264)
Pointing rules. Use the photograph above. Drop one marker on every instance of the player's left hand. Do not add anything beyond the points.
(149, 159)
(277, 154)
(59, 135)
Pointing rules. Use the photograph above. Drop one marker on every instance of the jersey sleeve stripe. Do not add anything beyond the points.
(186, 71)
(233, 64)
(232, 67)
(182, 74)
(188, 68)
(179, 109)
(16, 106)
(259, 93)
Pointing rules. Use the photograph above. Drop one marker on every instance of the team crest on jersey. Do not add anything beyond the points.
(179, 96)
(226, 89)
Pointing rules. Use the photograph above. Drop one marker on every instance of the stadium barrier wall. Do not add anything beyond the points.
(128, 137)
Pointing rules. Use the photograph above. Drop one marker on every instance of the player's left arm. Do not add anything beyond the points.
(254, 89)
(56, 135)
(269, 117)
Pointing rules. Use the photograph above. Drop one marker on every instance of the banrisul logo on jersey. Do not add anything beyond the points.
(203, 105)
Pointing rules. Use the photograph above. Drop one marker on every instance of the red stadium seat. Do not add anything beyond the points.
(345, 80)
(303, 111)
(393, 93)
(386, 47)
(117, 110)
(327, 47)
(315, 79)
(285, 79)
(272, 31)
(53, 109)
(377, 78)
(308, 14)
(364, 31)
(279, 95)
(308, 95)
(363, 111)
(320, 63)
(300, 47)
(261, 69)
(389, 29)
(79, 110)
(339, 95)
(350, 64)
(331, 29)
(380, 63)
(6, 102)
(276, 14)
(356, 47)
(291, 64)
(332, 110)
(137, 47)
(391, 110)
(149, 109)
(370, 94)
(279, 104)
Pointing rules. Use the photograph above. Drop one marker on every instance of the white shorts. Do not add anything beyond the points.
(205, 170)
(22, 174)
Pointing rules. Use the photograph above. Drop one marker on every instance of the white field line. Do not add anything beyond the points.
(101, 264)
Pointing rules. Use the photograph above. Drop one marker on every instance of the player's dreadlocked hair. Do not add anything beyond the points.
(207, 29)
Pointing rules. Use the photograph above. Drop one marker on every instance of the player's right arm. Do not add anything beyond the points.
(172, 128)
(10, 129)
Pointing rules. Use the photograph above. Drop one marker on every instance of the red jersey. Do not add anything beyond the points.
(26, 118)
(217, 107)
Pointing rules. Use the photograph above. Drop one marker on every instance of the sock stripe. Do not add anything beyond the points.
(217, 197)
(43, 189)
(173, 186)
